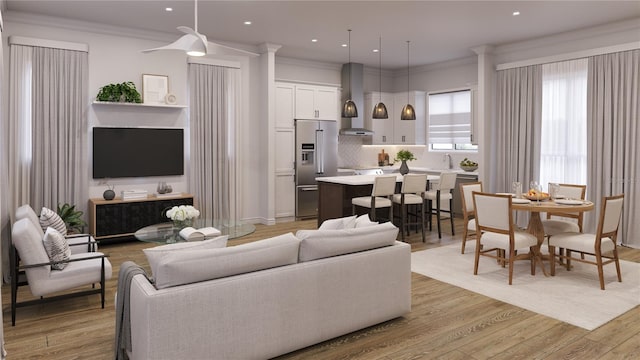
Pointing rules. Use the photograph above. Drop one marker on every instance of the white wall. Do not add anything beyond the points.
(114, 58)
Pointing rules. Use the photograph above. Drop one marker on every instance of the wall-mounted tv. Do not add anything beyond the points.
(137, 152)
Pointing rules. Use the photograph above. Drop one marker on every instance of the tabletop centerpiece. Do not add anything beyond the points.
(182, 216)
(404, 156)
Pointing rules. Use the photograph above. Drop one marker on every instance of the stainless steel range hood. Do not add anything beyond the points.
(352, 88)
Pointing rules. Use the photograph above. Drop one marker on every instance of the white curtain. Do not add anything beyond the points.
(47, 129)
(614, 133)
(214, 101)
(517, 129)
(563, 149)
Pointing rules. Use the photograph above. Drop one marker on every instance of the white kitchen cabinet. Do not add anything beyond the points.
(285, 195)
(316, 102)
(285, 105)
(409, 132)
(393, 131)
(382, 128)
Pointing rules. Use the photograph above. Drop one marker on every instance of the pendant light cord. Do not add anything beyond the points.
(380, 65)
(408, 97)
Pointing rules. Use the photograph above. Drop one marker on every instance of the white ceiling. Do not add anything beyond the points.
(438, 30)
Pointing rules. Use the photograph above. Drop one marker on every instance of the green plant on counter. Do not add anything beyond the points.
(72, 218)
(124, 92)
(467, 162)
(404, 155)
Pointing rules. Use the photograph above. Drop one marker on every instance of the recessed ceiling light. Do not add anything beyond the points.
(168, 9)
(375, 50)
(344, 45)
(516, 13)
(314, 40)
(247, 22)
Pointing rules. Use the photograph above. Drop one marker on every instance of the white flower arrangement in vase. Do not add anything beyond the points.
(183, 215)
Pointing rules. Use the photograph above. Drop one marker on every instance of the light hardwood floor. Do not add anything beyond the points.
(446, 322)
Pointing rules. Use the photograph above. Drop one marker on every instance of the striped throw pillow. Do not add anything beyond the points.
(48, 218)
(57, 247)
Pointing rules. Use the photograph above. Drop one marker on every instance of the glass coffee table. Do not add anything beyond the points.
(166, 233)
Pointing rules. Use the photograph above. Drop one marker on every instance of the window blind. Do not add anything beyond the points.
(450, 117)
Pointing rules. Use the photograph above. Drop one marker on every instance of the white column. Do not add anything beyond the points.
(486, 75)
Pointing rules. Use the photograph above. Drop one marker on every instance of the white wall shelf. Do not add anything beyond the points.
(109, 103)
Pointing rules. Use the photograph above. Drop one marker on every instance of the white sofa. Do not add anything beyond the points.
(330, 283)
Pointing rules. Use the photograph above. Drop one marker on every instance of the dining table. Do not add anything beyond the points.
(550, 206)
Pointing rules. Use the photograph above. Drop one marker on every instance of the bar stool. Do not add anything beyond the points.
(412, 185)
(442, 191)
(383, 188)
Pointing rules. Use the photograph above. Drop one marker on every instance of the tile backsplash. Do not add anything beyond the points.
(353, 152)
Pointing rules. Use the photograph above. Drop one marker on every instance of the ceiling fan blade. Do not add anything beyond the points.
(184, 43)
(216, 48)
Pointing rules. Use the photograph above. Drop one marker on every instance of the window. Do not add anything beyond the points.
(450, 121)
(563, 146)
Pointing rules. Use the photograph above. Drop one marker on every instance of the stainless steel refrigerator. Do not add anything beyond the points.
(316, 156)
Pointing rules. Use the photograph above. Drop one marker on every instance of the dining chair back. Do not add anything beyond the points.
(560, 222)
(601, 245)
(384, 186)
(468, 210)
(441, 191)
(495, 231)
(413, 186)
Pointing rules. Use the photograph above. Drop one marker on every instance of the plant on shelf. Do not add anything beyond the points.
(404, 156)
(124, 92)
(72, 218)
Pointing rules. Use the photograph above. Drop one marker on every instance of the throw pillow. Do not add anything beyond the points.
(318, 244)
(190, 266)
(57, 247)
(363, 221)
(49, 217)
(155, 254)
(348, 222)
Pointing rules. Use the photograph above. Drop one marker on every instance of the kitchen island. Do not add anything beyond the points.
(335, 193)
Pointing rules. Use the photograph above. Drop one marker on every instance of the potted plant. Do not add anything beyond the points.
(72, 218)
(124, 92)
(404, 156)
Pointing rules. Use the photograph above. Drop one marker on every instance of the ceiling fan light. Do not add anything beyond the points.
(408, 113)
(195, 53)
(349, 109)
(380, 111)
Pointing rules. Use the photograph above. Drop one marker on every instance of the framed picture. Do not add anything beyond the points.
(154, 88)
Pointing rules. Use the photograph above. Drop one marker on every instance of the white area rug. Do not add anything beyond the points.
(571, 296)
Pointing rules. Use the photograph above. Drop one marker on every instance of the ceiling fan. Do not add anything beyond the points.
(196, 44)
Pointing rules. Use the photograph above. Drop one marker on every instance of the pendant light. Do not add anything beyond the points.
(408, 113)
(349, 109)
(380, 110)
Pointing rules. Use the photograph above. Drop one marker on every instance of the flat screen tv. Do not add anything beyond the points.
(137, 152)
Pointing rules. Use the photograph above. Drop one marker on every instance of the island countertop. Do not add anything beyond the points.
(362, 179)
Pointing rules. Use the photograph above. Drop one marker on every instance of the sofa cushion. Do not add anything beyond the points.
(348, 222)
(363, 221)
(49, 217)
(318, 244)
(57, 248)
(155, 254)
(190, 266)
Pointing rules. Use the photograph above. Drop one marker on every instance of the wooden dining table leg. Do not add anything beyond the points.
(536, 229)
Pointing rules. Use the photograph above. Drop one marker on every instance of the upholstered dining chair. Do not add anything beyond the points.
(495, 231)
(384, 186)
(30, 265)
(413, 186)
(468, 211)
(557, 223)
(601, 245)
(441, 191)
